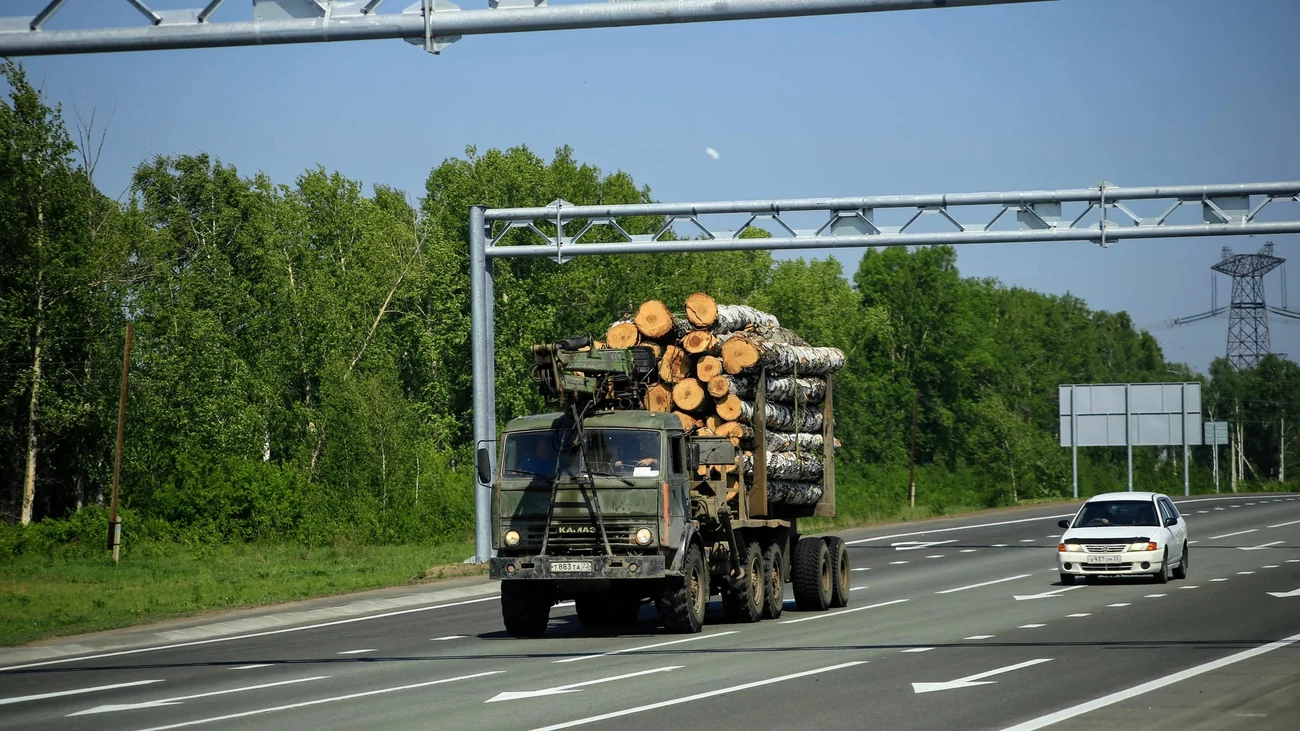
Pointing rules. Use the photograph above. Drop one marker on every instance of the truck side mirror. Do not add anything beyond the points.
(484, 465)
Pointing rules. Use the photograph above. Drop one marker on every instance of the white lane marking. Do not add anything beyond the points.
(698, 696)
(253, 667)
(1284, 594)
(846, 611)
(896, 563)
(1192, 543)
(357, 652)
(976, 679)
(960, 527)
(112, 707)
(868, 568)
(448, 637)
(511, 695)
(986, 583)
(319, 701)
(855, 588)
(1028, 540)
(1229, 535)
(1234, 506)
(1293, 560)
(1218, 579)
(1218, 508)
(1250, 503)
(1261, 547)
(917, 545)
(999, 545)
(918, 649)
(1119, 604)
(967, 550)
(194, 643)
(1154, 596)
(1031, 626)
(1271, 566)
(1147, 687)
(938, 555)
(565, 604)
(647, 647)
(1047, 594)
(979, 637)
(1245, 573)
(1202, 512)
(78, 691)
(1283, 525)
(1193, 586)
(1080, 614)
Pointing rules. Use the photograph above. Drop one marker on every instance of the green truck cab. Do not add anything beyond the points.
(610, 505)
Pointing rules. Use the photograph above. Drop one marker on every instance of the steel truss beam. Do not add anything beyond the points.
(1227, 210)
(431, 23)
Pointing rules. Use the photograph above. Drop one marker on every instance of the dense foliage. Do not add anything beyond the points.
(301, 371)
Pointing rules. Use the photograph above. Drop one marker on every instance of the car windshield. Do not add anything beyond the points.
(1117, 513)
(619, 452)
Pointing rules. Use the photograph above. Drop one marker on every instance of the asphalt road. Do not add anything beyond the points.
(953, 624)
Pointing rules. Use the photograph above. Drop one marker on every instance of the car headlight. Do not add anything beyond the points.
(512, 538)
(1071, 547)
(1142, 546)
(644, 536)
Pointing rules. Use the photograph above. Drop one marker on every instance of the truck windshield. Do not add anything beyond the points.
(619, 452)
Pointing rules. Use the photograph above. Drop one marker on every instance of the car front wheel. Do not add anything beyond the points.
(1162, 577)
(1180, 573)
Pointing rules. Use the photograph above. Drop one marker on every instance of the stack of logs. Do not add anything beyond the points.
(709, 361)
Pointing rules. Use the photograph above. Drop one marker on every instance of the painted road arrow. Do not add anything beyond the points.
(113, 707)
(918, 545)
(1260, 547)
(514, 695)
(1047, 594)
(1285, 594)
(976, 679)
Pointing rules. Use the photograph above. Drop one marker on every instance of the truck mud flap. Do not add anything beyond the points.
(577, 567)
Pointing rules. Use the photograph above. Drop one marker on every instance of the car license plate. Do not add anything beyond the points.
(1103, 559)
(571, 566)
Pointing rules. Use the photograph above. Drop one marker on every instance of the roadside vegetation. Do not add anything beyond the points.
(300, 371)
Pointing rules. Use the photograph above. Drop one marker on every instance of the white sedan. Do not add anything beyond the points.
(1124, 534)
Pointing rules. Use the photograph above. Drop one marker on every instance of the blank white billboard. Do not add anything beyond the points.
(1136, 414)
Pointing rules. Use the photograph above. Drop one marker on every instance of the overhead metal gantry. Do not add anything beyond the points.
(432, 24)
(1103, 214)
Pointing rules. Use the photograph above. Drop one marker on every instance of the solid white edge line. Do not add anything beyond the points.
(645, 647)
(319, 701)
(76, 691)
(1147, 687)
(1230, 535)
(696, 697)
(252, 667)
(231, 638)
(846, 611)
(986, 583)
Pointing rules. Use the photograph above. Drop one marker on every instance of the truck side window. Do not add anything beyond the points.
(675, 455)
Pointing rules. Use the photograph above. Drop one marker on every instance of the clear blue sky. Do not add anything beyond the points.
(1043, 95)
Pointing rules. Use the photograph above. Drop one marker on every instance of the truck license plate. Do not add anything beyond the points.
(1103, 559)
(572, 566)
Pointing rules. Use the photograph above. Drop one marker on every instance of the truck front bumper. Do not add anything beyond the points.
(578, 567)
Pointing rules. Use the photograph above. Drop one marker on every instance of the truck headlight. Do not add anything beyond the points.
(512, 538)
(644, 536)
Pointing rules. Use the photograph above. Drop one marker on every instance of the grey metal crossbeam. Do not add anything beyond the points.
(430, 23)
(1226, 210)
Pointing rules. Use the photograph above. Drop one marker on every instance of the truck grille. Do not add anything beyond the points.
(563, 541)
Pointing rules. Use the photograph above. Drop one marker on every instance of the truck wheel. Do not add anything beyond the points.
(683, 599)
(839, 554)
(811, 571)
(594, 610)
(742, 601)
(774, 582)
(525, 608)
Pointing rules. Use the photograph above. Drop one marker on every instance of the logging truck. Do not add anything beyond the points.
(610, 504)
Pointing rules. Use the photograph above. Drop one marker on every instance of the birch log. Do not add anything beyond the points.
(782, 418)
(745, 353)
(786, 492)
(733, 318)
(787, 466)
(804, 442)
(784, 389)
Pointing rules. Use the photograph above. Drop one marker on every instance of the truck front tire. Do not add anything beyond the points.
(811, 577)
(774, 580)
(525, 608)
(683, 599)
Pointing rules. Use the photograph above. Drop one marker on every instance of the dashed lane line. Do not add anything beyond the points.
(448, 637)
(897, 563)
(1080, 614)
(918, 649)
(1031, 626)
(254, 666)
(828, 615)
(625, 650)
(985, 583)
(357, 652)
(1230, 535)
(979, 637)
(1154, 596)
(1245, 573)
(1283, 525)
(1218, 579)
(1120, 604)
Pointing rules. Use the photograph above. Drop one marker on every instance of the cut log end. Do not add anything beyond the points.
(719, 386)
(653, 319)
(729, 408)
(622, 335)
(688, 394)
(707, 368)
(739, 354)
(673, 366)
(699, 341)
(659, 399)
(701, 310)
(688, 421)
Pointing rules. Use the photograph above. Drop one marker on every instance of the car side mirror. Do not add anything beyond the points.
(1172, 521)
(483, 463)
(1063, 523)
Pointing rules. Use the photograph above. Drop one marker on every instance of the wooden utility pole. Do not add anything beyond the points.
(911, 473)
(115, 523)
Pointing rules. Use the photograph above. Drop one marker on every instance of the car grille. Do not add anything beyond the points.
(563, 543)
(1105, 547)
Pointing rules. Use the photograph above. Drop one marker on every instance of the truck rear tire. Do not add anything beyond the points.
(525, 608)
(742, 600)
(839, 554)
(811, 577)
(773, 582)
(683, 599)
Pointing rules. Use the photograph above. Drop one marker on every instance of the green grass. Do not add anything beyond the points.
(51, 596)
